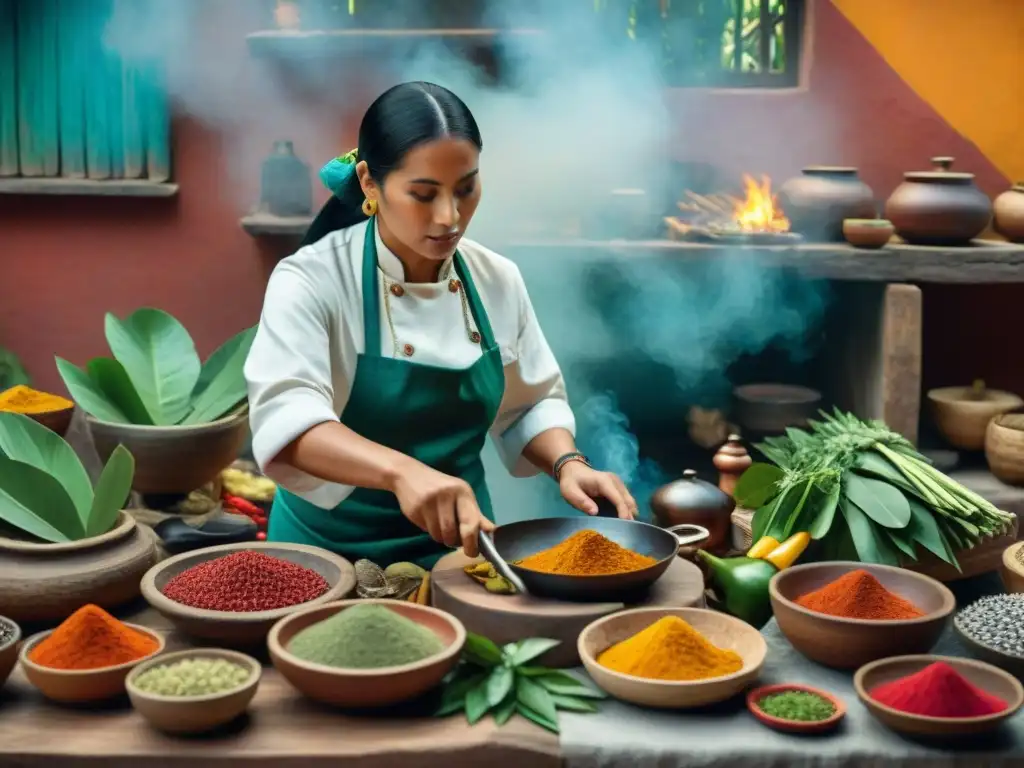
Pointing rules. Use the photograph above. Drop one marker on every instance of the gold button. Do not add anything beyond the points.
(453, 285)
(408, 349)
(474, 337)
(397, 290)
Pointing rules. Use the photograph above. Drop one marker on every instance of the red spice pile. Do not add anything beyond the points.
(938, 690)
(859, 595)
(245, 582)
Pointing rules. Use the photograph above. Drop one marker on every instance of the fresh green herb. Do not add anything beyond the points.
(155, 375)
(501, 681)
(803, 706)
(46, 492)
(865, 492)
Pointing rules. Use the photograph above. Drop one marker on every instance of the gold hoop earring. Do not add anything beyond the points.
(369, 207)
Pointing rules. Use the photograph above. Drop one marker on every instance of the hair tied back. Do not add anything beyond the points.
(336, 173)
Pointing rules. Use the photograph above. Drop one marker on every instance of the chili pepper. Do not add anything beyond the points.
(743, 585)
(243, 505)
(261, 536)
(764, 546)
(789, 551)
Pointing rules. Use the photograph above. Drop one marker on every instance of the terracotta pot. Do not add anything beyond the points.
(939, 207)
(692, 501)
(867, 233)
(1009, 213)
(817, 201)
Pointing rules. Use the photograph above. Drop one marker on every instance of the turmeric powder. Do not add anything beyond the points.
(670, 649)
(586, 553)
(22, 399)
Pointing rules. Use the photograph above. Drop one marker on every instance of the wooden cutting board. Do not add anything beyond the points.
(508, 618)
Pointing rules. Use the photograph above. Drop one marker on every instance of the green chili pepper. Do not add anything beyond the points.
(742, 584)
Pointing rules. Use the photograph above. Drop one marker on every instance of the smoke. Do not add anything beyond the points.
(563, 127)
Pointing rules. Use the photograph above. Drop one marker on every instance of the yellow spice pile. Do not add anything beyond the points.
(670, 649)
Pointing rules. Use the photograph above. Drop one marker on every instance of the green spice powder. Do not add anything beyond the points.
(193, 677)
(797, 705)
(365, 637)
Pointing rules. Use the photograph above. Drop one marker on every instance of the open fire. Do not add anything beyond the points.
(756, 214)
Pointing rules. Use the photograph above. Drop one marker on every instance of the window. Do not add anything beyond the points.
(70, 107)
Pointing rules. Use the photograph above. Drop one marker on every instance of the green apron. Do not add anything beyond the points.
(439, 416)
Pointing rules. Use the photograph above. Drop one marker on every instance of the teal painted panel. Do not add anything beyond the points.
(48, 128)
(132, 128)
(9, 164)
(30, 73)
(112, 62)
(97, 96)
(72, 81)
(157, 121)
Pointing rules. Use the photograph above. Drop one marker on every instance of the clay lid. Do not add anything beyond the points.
(835, 170)
(690, 494)
(940, 173)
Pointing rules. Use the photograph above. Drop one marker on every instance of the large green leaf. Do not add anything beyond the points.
(34, 502)
(88, 395)
(28, 441)
(924, 530)
(112, 489)
(871, 548)
(112, 380)
(883, 503)
(757, 485)
(221, 384)
(160, 358)
(534, 696)
(786, 507)
(900, 539)
(826, 514)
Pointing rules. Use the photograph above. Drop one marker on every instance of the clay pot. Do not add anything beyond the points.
(962, 414)
(868, 233)
(1009, 213)
(692, 501)
(1004, 448)
(939, 207)
(817, 201)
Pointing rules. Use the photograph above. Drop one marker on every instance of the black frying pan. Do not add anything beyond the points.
(515, 541)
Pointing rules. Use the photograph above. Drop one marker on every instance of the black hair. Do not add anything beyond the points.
(401, 118)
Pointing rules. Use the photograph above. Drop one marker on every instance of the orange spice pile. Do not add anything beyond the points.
(586, 553)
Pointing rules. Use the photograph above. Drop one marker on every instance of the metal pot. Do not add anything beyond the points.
(818, 200)
(1009, 213)
(692, 501)
(939, 207)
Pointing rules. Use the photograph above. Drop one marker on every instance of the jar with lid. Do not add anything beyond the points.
(939, 207)
(690, 500)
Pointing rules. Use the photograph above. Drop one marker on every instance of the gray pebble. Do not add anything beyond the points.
(996, 621)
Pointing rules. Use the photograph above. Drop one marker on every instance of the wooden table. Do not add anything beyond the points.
(282, 729)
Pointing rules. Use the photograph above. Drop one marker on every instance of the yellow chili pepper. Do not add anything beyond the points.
(789, 551)
(764, 546)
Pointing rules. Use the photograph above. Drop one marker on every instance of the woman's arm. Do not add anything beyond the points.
(331, 451)
(548, 447)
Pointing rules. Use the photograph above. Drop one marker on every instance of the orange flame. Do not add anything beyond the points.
(759, 212)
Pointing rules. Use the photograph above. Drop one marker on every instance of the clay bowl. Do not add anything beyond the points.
(770, 408)
(366, 688)
(81, 685)
(997, 658)
(243, 629)
(724, 631)
(9, 650)
(868, 233)
(985, 676)
(1012, 570)
(794, 726)
(848, 643)
(175, 459)
(963, 420)
(194, 714)
(1004, 448)
(55, 421)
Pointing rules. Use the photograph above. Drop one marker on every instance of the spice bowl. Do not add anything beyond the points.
(757, 695)
(987, 628)
(243, 629)
(990, 679)
(194, 714)
(10, 630)
(366, 688)
(1012, 570)
(845, 643)
(722, 630)
(868, 233)
(74, 686)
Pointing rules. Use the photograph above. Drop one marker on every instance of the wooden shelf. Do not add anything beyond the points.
(87, 187)
(334, 41)
(268, 225)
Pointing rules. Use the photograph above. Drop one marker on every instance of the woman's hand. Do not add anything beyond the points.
(581, 485)
(442, 505)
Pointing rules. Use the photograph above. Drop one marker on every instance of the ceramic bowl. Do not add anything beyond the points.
(720, 629)
(848, 643)
(794, 726)
(1004, 448)
(73, 686)
(985, 676)
(366, 688)
(9, 650)
(868, 233)
(194, 714)
(243, 629)
(962, 420)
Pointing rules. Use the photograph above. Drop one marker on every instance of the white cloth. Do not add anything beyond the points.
(303, 359)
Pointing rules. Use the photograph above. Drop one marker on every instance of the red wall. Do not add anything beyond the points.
(69, 260)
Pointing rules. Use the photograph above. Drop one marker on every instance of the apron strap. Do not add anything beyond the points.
(371, 298)
(476, 306)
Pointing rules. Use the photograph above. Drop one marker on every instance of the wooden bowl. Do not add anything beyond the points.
(985, 676)
(73, 686)
(1012, 570)
(9, 650)
(868, 233)
(724, 631)
(849, 643)
(963, 420)
(235, 628)
(366, 688)
(1004, 448)
(55, 421)
(194, 714)
(794, 726)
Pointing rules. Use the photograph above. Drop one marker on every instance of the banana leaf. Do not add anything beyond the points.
(757, 484)
(112, 380)
(87, 394)
(870, 547)
(880, 501)
(221, 385)
(112, 489)
(36, 503)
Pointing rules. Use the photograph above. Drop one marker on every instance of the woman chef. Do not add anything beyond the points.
(423, 341)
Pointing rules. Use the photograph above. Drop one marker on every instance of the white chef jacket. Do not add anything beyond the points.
(303, 360)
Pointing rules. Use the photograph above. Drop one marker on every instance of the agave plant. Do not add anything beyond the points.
(155, 376)
(45, 490)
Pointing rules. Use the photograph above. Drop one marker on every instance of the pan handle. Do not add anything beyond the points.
(490, 553)
(688, 534)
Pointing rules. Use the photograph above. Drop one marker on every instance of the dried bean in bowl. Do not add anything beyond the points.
(996, 621)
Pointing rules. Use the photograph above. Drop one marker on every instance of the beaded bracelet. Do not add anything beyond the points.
(565, 459)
